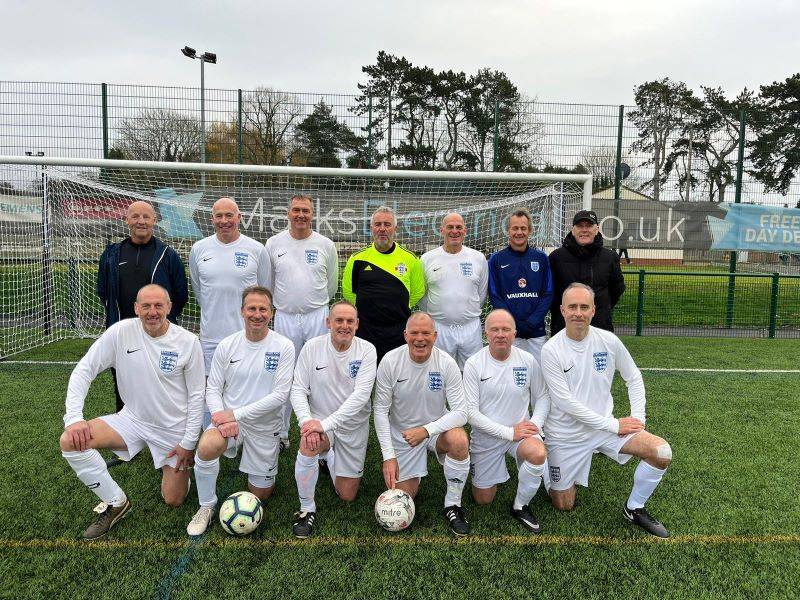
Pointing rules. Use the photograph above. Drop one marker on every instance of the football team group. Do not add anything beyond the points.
(422, 375)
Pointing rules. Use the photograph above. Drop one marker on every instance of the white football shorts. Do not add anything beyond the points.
(301, 327)
(569, 463)
(460, 341)
(350, 449)
(488, 459)
(413, 462)
(260, 450)
(136, 434)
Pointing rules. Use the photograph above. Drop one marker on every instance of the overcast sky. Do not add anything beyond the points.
(559, 50)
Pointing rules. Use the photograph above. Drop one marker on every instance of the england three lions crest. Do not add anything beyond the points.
(466, 269)
(312, 256)
(520, 376)
(435, 381)
(240, 260)
(352, 368)
(534, 266)
(271, 361)
(168, 361)
(600, 361)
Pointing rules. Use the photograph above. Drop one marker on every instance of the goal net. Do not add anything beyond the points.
(57, 216)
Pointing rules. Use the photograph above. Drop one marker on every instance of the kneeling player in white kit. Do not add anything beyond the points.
(160, 377)
(250, 380)
(578, 364)
(501, 384)
(415, 385)
(330, 395)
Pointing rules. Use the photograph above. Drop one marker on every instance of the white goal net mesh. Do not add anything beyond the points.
(56, 220)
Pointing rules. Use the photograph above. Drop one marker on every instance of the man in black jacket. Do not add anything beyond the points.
(138, 260)
(583, 259)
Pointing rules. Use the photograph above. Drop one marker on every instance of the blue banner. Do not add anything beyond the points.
(751, 227)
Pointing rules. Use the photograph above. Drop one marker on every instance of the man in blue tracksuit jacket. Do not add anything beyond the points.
(127, 266)
(520, 282)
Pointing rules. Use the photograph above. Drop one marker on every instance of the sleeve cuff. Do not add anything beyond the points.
(388, 454)
(327, 424)
(432, 431)
(509, 434)
(69, 420)
(188, 445)
(612, 425)
(239, 413)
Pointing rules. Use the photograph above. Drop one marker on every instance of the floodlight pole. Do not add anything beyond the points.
(204, 58)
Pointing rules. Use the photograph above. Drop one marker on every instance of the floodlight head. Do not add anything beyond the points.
(209, 57)
(189, 52)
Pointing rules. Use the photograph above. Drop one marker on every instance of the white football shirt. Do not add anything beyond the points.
(334, 387)
(409, 394)
(500, 394)
(219, 273)
(252, 378)
(579, 376)
(455, 285)
(161, 380)
(305, 273)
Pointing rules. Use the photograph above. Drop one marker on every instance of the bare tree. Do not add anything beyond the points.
(268, 120)
(160, 134)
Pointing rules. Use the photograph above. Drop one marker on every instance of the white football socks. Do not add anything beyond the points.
(645, 479)
(456, 473)
(530, 476)
(330, 458)
(306, 473)
(205, 474)
(91, 469)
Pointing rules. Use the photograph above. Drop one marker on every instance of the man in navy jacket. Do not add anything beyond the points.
(138, 260)
(520, 282)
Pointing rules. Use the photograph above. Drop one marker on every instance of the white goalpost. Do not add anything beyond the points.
(58, 214)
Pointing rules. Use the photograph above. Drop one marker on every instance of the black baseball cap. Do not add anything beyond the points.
(585, 215)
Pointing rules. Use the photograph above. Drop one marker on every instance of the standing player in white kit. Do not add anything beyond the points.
(305, 276)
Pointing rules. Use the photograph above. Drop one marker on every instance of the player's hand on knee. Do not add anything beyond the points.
(415, 436)
(629, 425)
(79, 434)
(524, 429)
(229, 430)
(185, 458)
(311, 426)
(313, 441)
(222, 416)
(391, 472)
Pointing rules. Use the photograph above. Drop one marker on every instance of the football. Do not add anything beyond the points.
(394, 510)
(241, 513)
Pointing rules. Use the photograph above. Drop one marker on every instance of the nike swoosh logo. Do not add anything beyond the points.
(402, 380)
(568, 370)
(320, 368)
(504, 266)
(132, 351)
(279, 255)
(436, 269)
(485, 378)
(124, 262)
(235, 361)
(207, 259)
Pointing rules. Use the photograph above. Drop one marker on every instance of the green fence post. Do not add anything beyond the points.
(496, 145)
(239, 142)
(389, 133)
(729, 305)
(369, 134)
(104, 99)
(773, 305)
(640, 304)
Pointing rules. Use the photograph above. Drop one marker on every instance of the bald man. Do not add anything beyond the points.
(138, 260)
(161, 380)
(455, 289)
(221, 267)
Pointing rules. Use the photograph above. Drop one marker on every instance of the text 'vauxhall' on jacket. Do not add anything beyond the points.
(593, 265)
(166, 270)
(520, 282)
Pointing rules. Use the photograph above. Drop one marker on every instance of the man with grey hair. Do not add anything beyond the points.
(578, 364)
(455, 290)
(384, 281)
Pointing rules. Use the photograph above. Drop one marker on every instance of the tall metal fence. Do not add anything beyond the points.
(266, 126)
